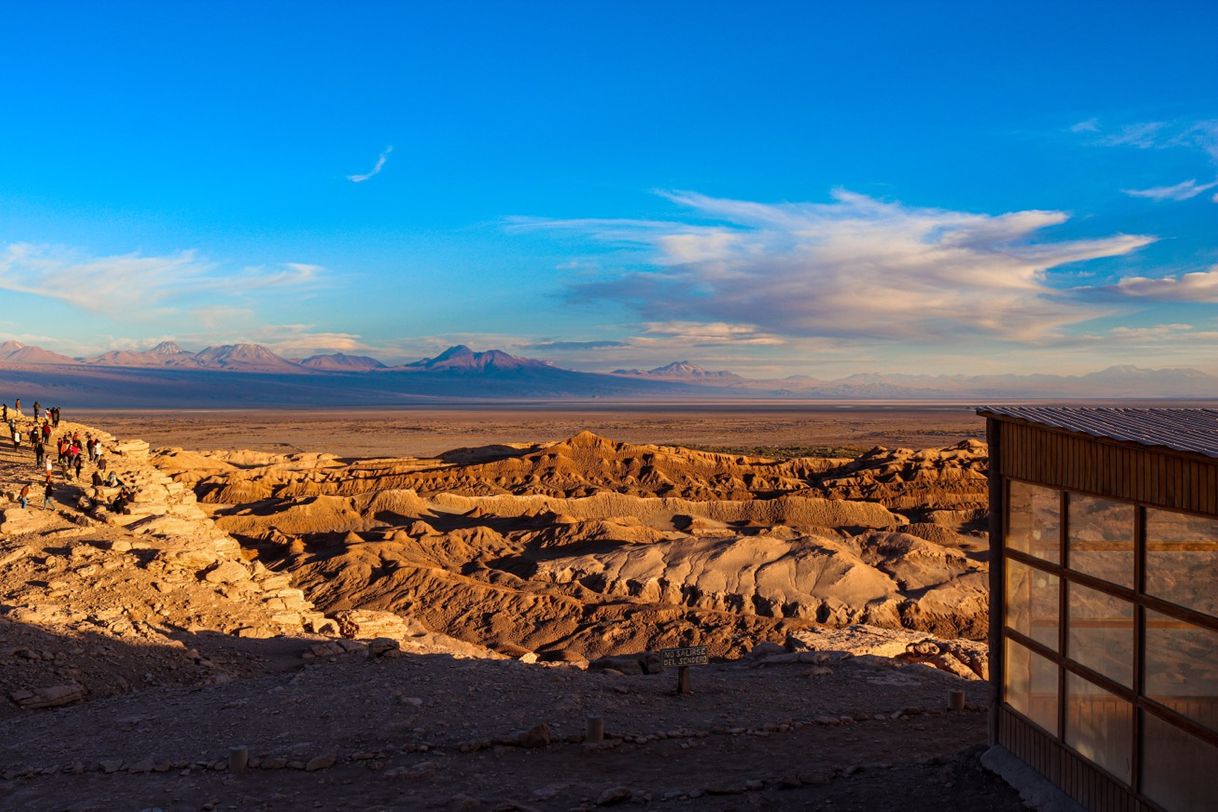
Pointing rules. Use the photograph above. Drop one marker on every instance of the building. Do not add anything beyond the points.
(1104, 601)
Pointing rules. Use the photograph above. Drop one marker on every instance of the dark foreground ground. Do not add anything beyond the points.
(436, 733)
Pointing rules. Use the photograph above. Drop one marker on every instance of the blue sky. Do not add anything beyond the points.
(806, 188)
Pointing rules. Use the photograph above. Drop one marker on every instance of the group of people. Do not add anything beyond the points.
(51, 414)
(72, 453)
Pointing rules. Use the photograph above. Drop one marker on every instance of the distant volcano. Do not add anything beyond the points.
(341, 362)
(462, 358)
(14, 352)
(683, 371)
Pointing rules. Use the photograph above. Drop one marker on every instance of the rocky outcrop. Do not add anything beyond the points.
(559, 547)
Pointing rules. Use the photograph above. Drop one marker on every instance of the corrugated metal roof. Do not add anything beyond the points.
(1193, 431)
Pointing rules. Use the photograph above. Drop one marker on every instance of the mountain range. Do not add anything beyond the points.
(166, 376)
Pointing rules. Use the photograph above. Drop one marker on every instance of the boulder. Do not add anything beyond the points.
(226, 572)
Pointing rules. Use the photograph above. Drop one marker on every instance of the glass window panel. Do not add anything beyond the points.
(1034, 521)
(1099, 725)
(1178, 769)
(1032, 598)
(1182, 559)
(1030, 685)
(1101, 538)
(1182, 667)
(1100, 632)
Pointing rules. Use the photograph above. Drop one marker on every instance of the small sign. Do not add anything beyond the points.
(679, 657)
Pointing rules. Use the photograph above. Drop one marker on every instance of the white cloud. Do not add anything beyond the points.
(855, 267)
(300, 340)
(376, 170)
(703, 334)
(132, 286)
(1201, 286)
(1181, 191)
(1090, 125)
(1143, 135)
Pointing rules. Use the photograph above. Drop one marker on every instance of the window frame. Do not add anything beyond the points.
(1136, 596)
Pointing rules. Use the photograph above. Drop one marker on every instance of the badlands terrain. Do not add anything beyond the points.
(435, 630)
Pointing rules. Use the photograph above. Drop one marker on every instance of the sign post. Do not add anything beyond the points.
(682, 659)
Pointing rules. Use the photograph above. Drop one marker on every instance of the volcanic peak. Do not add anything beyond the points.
(462, 358)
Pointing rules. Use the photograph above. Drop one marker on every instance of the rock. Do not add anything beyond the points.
(321, 625)
(414, 773)
(321, 762)
(226, 572)
(15, 521)
(766, 650)
(538, 736)
(383, 646)
(371, 623)
(614, 795)
(51, 696)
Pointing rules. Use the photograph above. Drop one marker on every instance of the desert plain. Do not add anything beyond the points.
(782, 427)
(444, 608)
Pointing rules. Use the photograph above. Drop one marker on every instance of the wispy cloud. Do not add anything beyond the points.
(132, 286)
(1143, 135)
(855, 267)
(1201, 286)
(703, 334)
(1181, 191)
(568, 346)
(376, 170)
(1201, 135)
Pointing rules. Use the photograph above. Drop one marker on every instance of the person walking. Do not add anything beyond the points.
(37, 409)
(48, 494)
(24, 496)
(79, 464)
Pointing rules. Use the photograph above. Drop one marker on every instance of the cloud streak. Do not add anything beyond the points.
(381, 160)
(855, 267)
(1185, 190)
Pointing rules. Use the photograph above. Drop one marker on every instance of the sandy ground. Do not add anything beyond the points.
(429, 432)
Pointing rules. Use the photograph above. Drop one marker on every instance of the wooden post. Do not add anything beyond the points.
(955, 700)
(682, 659)
(683, 679)
(238, 759)
(596, 730)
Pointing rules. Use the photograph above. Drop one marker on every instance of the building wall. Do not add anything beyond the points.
(1104, 616)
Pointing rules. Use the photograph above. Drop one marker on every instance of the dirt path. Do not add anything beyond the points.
(428, 732)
